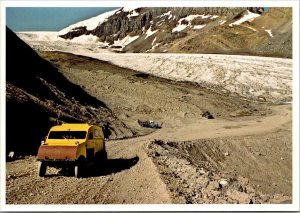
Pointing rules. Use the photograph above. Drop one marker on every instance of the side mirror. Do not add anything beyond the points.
(90, 135)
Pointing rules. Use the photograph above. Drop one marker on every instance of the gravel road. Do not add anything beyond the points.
(244, 155)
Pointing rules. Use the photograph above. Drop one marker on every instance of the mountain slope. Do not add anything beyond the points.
(38, 96)
(191, 30)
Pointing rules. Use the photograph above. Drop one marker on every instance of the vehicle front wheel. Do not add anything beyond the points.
(42, 167)
(79, 170)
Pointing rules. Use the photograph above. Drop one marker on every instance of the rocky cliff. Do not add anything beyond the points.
(238, 30)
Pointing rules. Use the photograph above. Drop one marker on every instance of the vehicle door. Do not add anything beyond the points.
(90, 145)
(98, 134)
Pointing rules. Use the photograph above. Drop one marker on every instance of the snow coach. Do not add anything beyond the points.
(72, 146)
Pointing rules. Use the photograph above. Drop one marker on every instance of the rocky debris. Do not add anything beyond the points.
(11, 156)
(223, 183)
(204, 181)
(208, 115)
(226, 153)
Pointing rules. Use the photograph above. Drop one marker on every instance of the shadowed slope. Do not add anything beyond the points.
(38, 96)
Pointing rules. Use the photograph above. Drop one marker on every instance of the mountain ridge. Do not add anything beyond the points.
(241, 30)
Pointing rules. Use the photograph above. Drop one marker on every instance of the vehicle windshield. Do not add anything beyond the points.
(67, 135)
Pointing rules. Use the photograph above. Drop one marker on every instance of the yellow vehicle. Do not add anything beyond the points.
(71, 146)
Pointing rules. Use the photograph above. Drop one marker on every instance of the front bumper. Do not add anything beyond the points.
(57, 153)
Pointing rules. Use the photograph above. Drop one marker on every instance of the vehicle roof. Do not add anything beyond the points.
(75, 127)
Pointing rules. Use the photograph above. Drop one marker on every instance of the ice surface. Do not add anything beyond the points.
(248, 76)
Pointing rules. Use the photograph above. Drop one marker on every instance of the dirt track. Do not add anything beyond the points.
(249, 144)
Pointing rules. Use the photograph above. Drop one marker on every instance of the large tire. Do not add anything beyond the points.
(42, 167)
(79, 169)
(101, 156)
(104, 156)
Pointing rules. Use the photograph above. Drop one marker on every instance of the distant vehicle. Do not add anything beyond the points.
(71, 146)
(149, 124)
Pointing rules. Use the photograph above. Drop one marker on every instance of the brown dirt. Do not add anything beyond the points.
(248, 145)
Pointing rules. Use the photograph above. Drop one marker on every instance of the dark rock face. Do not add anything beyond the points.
(78, 31)
(119, 25)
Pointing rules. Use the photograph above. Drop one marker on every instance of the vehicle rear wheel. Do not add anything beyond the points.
(101, 156)
(104, 156)
(42, 167)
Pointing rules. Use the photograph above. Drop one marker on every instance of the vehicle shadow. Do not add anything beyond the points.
(107, 167)
(111, 166)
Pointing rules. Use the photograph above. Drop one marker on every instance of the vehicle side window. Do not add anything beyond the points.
(96, 133)
(101, 134)
(91, 135)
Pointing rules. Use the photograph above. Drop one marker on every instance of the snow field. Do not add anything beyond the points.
(249, 76)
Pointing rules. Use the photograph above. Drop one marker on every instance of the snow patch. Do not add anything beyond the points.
(214, 17)
(270, 33)
(125, 41)
(150, 32)
(91, 23)
(128, 9)
(132, 14)
(249, 17)
(154, 40)
(222, 22)
(179, 28)
(198, 27)
(189, 18)
(156, 45)
(205, 16)
(167, 14)
(251, 28)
